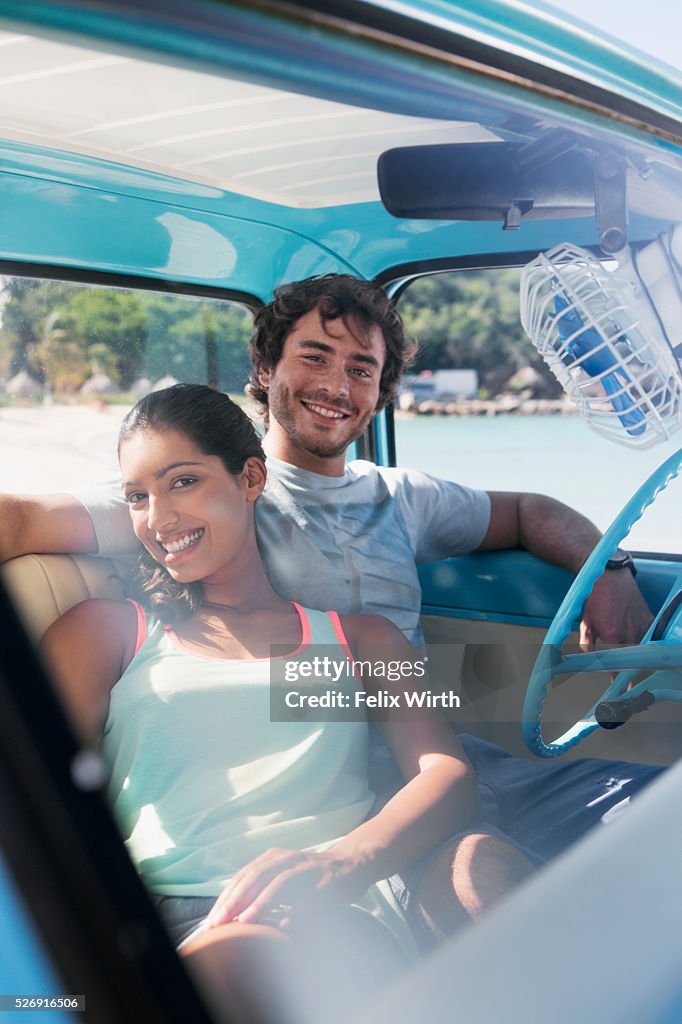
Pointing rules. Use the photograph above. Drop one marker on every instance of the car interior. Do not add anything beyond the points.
(216, 157)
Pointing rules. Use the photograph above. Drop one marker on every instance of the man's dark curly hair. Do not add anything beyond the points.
(351, 299)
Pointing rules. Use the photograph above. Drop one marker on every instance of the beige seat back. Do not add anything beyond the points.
(46, 586)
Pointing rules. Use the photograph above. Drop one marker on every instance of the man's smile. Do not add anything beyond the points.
(328, 412)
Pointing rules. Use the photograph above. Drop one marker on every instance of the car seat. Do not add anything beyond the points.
(45, 586)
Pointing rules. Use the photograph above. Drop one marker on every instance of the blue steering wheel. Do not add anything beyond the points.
(660, 650)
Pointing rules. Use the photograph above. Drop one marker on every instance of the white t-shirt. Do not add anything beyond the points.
(350, 543)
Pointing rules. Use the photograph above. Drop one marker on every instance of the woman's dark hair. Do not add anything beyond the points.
(217, 426)
(355, 301)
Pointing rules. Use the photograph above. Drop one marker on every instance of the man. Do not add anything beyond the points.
(327, 354)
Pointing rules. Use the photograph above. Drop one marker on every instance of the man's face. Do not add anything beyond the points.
(323, 391)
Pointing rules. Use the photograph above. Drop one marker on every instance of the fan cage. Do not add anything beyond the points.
(626, 382)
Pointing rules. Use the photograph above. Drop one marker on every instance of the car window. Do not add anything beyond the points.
(481, 407)
(74, 357)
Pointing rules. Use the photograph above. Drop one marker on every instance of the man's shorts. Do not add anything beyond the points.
(539, 807)
(184, 916)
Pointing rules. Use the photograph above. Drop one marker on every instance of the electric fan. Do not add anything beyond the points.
(612, 335)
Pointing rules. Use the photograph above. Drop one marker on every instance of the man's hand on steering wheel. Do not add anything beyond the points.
(615, 612)
(613, 597)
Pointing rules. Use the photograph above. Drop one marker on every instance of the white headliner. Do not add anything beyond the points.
(286, 148)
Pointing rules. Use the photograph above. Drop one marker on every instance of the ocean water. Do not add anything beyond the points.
(556, 455)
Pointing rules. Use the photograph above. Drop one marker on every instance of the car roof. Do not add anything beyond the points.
(240, 151)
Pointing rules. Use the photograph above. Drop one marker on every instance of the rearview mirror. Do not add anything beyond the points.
(485, 181)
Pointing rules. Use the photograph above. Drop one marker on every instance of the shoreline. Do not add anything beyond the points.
(489, 407)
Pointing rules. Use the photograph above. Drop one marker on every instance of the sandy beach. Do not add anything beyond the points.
(57, 447)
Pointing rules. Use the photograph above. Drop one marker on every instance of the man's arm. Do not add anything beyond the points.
(44, 523)
(615, 612)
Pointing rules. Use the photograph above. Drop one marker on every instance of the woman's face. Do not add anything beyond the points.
(192, 516)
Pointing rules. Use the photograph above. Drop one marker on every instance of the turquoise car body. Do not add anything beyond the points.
(59, 206)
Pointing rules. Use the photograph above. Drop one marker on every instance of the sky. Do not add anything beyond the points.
(654, 26)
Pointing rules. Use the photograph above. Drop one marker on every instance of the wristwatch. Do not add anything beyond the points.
(621, 560)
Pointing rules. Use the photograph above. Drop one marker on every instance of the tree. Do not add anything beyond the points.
(108, 320)
(470, 319)
(197, 340)
(27, 304)
(62, 332)
(62, 358)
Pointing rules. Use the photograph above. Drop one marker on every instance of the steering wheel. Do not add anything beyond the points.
(660, 650)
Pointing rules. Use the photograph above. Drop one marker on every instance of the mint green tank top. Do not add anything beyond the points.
(202, 781)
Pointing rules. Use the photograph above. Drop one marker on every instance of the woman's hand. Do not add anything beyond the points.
(439, 797)
(280, 883)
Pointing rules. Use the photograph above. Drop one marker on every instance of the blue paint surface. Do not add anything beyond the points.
(24, 969)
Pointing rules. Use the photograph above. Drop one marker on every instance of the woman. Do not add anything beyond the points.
(242, 826)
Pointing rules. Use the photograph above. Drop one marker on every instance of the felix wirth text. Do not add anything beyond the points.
(318, 669)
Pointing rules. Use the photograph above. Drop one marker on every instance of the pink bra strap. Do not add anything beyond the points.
(340, 635)
(141, 624)
(343, 640)
(305, 629)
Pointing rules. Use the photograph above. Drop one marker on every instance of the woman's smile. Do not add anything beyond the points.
(180, 544)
